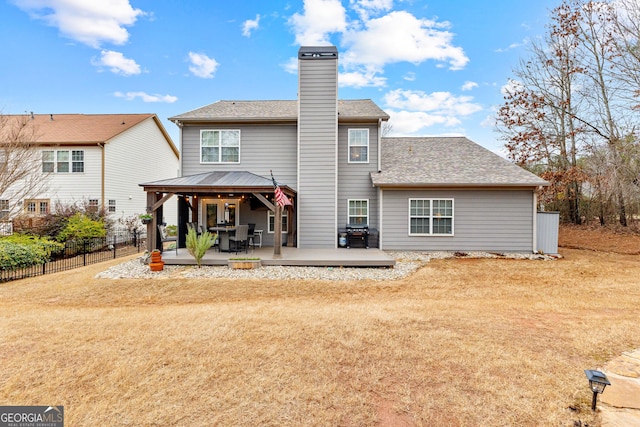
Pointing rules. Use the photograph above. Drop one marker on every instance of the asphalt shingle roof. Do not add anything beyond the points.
(276, 110)
(446, 161)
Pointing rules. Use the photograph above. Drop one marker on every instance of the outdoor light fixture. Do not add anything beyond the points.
(597, 382)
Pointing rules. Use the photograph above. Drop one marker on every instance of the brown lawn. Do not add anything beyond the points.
(462, 342)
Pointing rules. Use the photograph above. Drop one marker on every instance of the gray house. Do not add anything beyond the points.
(329, 158)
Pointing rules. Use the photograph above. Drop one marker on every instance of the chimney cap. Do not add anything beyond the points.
(318, 52)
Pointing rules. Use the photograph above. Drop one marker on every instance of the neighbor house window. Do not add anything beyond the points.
(358, 145)
(112, 205)
(358, 212)
(39, 207)
(4, 209)
(63, 161)
(220, 146)
(271, 219)
(431, 217)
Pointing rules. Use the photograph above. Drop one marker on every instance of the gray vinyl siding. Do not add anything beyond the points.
(354, 179)
(262, 148)
(317, 127)
(486, 220)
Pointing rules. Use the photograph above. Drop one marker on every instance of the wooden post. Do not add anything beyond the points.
(277, 231)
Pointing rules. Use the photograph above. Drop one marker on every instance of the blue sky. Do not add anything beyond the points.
(436, 67)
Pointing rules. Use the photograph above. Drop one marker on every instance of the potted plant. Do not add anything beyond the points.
(244, 263)
(146, 218)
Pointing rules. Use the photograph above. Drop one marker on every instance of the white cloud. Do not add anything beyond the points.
(365, 8)
(442, 103)
(399, 36)
(291, 66)
(516, 45)
(410, 76)
(511, 87)
(415, 122)
(250, 25)
(320, 18)
(130, 96)
(117, 63)
(202, 65)
(469, 85)
(359, 79)
(90, 22)
(414, 111)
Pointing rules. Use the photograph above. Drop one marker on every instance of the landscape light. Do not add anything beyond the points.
(597, 382)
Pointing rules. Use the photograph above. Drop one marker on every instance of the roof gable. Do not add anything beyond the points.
(85, 129)
(446, 161)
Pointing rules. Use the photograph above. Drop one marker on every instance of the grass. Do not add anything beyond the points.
(462, 342)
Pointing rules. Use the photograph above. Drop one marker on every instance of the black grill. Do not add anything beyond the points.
(358, 233)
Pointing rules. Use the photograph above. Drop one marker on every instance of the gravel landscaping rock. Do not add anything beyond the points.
(406, 263)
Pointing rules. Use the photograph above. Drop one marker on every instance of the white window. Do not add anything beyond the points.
(4, 209)
(430, 217)
(63, 161)
(93, 203)
(358, 145)
(271, 219)
(112, 205)
(358, 212)
(219, 146)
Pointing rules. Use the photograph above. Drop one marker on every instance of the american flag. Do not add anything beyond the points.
(281, 199)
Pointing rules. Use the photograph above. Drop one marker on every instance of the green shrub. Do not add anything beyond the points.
(58, 217)
(198, 245)
(20, 250)
(81, 227)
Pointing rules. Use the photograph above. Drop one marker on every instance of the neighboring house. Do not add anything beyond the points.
(330, 159)
(99, 159)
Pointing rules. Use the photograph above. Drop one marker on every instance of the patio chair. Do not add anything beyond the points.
(164, 237)
(239, 240)
(251, 236)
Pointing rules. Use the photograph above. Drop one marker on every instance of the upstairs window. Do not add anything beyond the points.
(220, 146)
(358, 145)
(358, 212)
(431, 217)
(63, 161)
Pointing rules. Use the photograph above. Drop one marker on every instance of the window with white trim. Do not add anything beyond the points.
(4, 209)
(63, 161)
(271, 220)
(358, 145)
(112, 205)
(430, 217)
(219, 146)
(358, 212)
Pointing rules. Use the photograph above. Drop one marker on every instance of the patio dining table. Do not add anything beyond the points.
(223, 236)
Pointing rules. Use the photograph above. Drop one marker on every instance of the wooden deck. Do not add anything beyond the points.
(341, 257)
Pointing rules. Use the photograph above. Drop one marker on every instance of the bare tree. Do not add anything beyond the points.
(574, 110)
(538, 119)
(21, 175)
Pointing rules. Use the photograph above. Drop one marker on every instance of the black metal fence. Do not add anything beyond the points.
(81, 253)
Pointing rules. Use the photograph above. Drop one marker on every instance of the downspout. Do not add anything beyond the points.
(380, 211)
(535, 222)
(102, 174)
